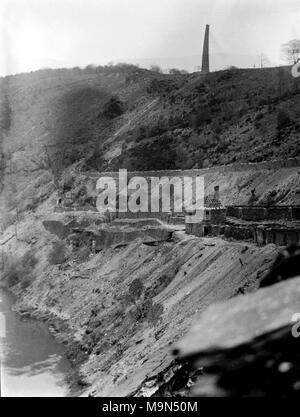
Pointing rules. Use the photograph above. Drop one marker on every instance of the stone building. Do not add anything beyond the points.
(199, 222)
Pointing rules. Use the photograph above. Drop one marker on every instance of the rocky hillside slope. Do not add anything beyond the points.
(105, 118)
(120, 310)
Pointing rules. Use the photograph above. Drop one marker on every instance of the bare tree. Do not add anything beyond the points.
(176, 71)
(51, 163)
(156, 68)
(264, 60)
(11, 200)
(290, 51)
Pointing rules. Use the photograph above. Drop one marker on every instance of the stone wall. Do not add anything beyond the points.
(278, 236)
(198, 229)
(261, 235)
(260, 213)
(165, 217)
(218, 216)
(238, 232)
(236, 167)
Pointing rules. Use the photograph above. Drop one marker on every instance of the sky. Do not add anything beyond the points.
(67, 33)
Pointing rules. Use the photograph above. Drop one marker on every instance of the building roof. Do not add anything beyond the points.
(210, 201)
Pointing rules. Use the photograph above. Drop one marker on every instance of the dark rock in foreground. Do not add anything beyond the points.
(248, 346)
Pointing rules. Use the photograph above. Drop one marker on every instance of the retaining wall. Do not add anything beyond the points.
(261, 235)
(259, 213)
(279, 236)
(105, 238)
(165, 217)
(236, 167)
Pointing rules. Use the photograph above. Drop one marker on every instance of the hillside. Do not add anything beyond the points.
(120, 340)
(122, 116)
(119, 307)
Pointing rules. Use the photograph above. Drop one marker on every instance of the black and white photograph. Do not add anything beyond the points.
(149, 202)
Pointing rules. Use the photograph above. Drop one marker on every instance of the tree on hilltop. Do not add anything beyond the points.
(156, 68)
(290, 51)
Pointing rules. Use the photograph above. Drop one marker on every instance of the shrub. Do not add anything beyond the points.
(155, 313)
(283, 118)
(135, 291)
(201, 117)
(269, 198)
(26, 282)
(29, 260)
(176, 71)
(162, 86)
(12, 274)
(217, 127)
(157, 155)
(259, 116)
(68, 181)
(142, 133)
(158, 129)
(113, 108)
(5, 113)
(7, 219)
(58, 253)
(18, 270)
(228, 113)
(82, 255)
(155, 68)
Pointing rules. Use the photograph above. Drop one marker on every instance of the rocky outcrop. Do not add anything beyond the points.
(248, 345)
(91, 231)
(112, 236)
(62, 224)
(58, 228)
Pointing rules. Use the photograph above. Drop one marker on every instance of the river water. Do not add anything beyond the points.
(32, 361)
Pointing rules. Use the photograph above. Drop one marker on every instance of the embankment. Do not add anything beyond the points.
(125, 307)
(273, 183)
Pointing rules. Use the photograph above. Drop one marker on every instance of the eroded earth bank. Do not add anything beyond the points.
(121, 309)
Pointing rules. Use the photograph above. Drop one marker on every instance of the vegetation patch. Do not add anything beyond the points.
(15, 270)
(58, 253)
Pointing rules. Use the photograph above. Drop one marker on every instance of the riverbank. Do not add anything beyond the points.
(59, 329)
(33, 361)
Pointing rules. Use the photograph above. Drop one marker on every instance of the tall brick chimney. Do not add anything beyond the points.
(217, 192)
(205, 52)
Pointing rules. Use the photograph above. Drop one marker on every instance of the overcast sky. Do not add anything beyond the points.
(67, 33)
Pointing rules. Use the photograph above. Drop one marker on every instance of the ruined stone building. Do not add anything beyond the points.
(199, 222)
